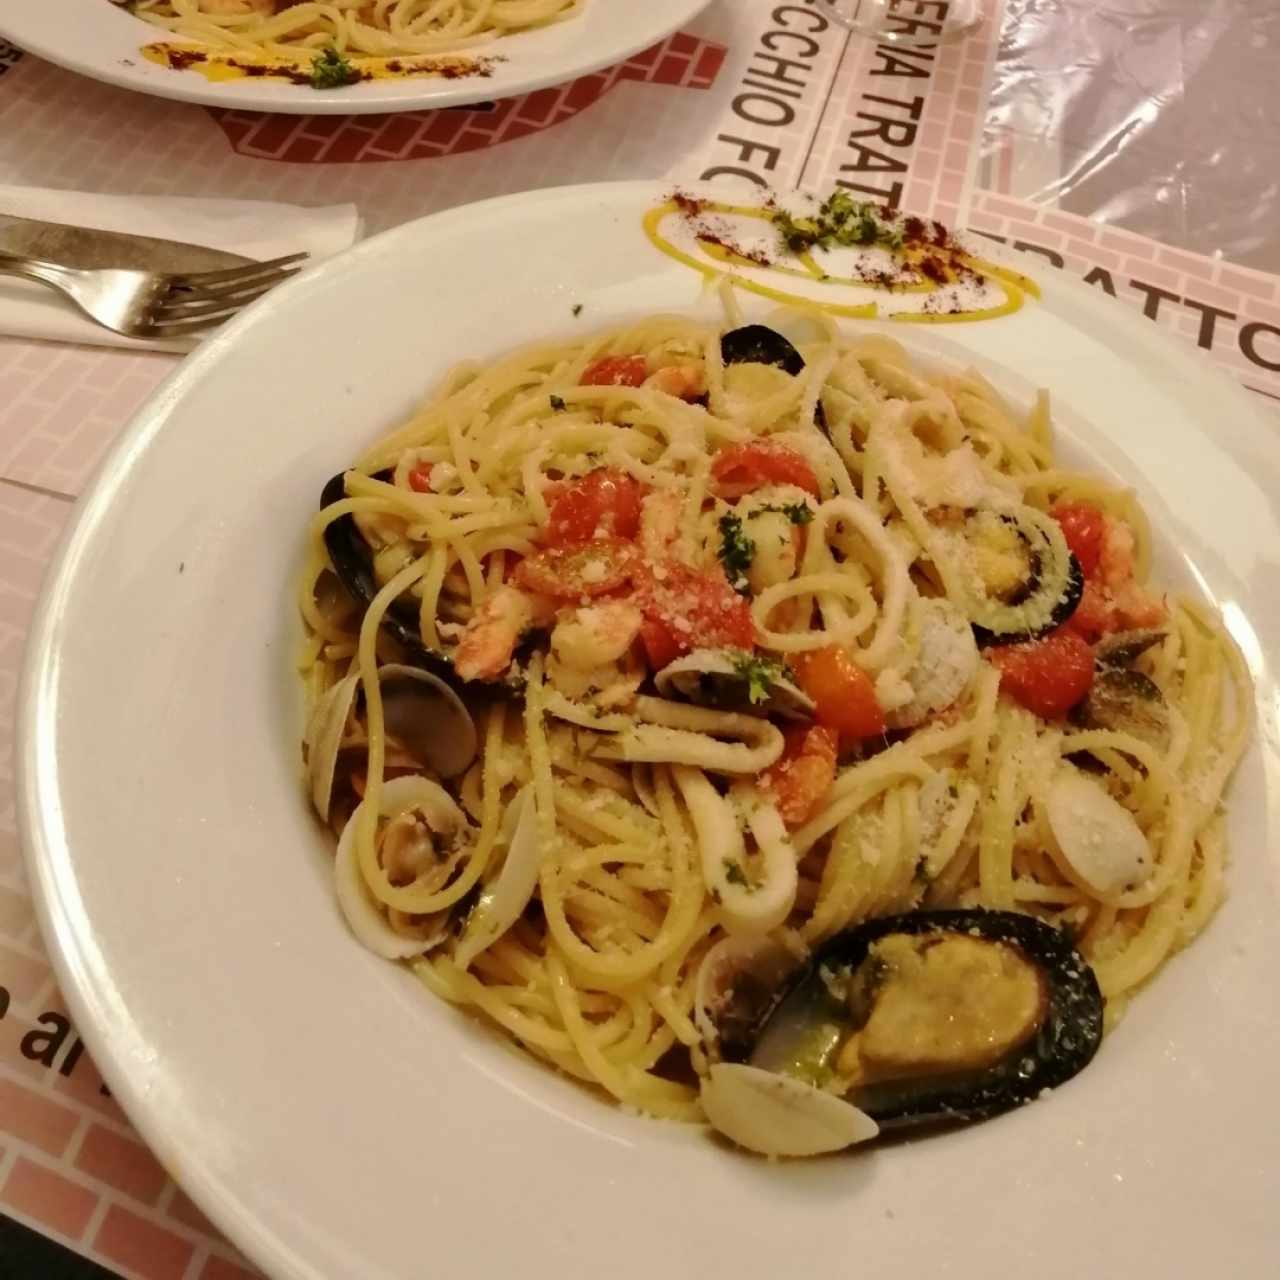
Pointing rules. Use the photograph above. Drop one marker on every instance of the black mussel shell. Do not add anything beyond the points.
(758, 344)
(1068, 585)
(1063, 1045)
(352, 560)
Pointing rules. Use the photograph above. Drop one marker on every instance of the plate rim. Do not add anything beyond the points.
(300, 101)
(36, 731)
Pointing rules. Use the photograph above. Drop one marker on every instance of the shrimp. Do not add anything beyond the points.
(800, 780)
(591, 654)
(684, 381)
(1131, 604)
(490, 638)
(596, 634)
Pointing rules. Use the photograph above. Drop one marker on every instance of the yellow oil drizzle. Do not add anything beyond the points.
(220, 67)
(1013, 284)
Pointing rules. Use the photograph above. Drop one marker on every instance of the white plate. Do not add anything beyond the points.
(102, 41)
(336, 1121)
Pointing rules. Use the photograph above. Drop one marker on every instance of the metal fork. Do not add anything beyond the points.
(155, 304)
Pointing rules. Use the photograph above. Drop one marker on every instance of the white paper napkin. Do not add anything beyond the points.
(254, 228)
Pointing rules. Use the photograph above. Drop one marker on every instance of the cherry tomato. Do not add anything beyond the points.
(615, 371)
(1084, 528)
(743, 468)
(804, 772)
(420, 478)
(844, 693)
(1046, 676)
(662, 644)
(603, 501)
(589, 569)
(685, 609)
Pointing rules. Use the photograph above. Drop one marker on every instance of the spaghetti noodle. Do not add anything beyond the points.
(281, 29)
(752, 638)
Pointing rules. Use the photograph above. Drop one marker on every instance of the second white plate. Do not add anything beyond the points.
(103, 41)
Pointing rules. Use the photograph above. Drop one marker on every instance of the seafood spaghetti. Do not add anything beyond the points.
(762, 727)
(270, 29)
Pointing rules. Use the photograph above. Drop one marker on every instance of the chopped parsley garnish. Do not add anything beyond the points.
(760, 674)
(736, 551)
(330, 70)
(840, 220)
(734, 874)
(796, 512)
(557, 403)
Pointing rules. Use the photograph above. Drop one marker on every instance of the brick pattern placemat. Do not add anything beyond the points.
(755, 92)
(1229, 312)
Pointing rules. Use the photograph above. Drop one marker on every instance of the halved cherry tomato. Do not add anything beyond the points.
(1084, 528)
(1046, 676)
(685, 609)
(744, 468)
(605, 500)
(804, 772)
(590, 569)
(615, 371)
(420, 478)
(844, 693)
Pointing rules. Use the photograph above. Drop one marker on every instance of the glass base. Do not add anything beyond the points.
(900, 22)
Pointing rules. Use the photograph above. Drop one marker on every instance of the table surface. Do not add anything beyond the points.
(1131, 141)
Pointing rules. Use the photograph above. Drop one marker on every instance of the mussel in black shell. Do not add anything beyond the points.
(1032, 583)
(758, 344)
(352, 560)
(930, 1017)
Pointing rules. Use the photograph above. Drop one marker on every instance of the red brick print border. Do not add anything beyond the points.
(47, 1198)
(36, 1118)
(182, 1210)
(121, 1163)
(221, 1269)
(1231, 313)
(682, 60)
(147, 1250)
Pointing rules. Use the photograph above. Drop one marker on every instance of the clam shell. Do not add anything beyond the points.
(774, 1115)
(428, 719)
(1128, 702)
(736, 986)
(503, 902)
(1097, 836)
(362, 913)
(323, 740)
